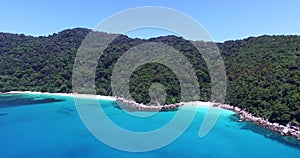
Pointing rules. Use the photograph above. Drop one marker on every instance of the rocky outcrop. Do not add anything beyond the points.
(130, 105)
(245, 116)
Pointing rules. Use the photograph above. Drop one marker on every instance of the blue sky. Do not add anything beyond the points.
(223, 19)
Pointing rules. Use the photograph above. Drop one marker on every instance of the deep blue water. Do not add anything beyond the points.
(35, 126)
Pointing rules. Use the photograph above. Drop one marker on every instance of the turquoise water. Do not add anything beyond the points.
(33, 125)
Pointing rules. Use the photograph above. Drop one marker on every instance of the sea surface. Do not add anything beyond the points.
(41, 125)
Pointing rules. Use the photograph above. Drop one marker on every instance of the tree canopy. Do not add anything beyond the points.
(263, 72)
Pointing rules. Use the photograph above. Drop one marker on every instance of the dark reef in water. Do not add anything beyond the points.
(3, 114)
(66, 110)
(13, 100)
(268, 133)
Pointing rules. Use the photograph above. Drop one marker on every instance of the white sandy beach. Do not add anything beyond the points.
(197, 103)
(90, 96)
(87, 96)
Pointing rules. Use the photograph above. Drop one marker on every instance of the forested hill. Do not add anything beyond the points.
(263, 72)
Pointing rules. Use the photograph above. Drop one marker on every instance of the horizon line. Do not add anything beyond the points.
(144, 38)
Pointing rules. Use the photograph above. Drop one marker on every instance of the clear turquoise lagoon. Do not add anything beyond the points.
(35, 126)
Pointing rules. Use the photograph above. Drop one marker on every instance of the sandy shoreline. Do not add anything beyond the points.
(198, 103)
(193, 103)
(87, 96)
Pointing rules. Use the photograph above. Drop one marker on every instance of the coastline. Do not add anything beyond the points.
(243, 115)
(87, 96)
(131, 105)
(286, 130)
(198, 103)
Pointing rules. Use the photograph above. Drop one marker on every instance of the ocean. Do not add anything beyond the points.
(42, 125)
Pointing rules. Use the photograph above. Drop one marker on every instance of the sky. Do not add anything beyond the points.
(222, 19)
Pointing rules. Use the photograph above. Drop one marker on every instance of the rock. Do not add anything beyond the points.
(131, 105)
(237, 109)
(285, 130)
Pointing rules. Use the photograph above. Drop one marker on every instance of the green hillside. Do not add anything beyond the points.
(263, 72)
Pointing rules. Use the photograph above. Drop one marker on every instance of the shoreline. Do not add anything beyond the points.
(131, 105)
(87, 96)
(242, 114)
(286, 130)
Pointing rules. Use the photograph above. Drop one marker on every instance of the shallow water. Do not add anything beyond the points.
(33, 125)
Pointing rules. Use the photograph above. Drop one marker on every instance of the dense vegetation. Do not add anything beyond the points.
(264, 76)
(263, 72)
